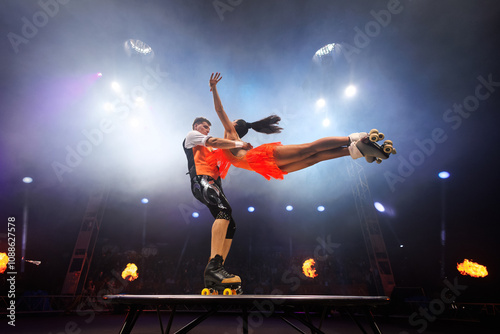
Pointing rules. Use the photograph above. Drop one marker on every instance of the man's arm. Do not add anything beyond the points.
(195, 138)
(226, 143)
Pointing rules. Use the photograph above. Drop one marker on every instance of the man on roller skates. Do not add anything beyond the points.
(206, 186)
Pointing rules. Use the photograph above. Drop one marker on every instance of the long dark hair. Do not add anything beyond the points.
(266, 125)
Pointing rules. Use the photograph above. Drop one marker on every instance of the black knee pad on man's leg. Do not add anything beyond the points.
(231, 228)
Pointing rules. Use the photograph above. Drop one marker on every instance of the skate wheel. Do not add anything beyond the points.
(205, 292)
(228, 292)
(388, 149)
(381, 136)
(374, 137)
(394, 151)
(379, 161)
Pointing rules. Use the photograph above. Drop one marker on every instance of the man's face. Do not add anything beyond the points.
(204, 128)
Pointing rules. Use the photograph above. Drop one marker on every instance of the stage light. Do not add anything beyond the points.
(115, 86)
(401, 246)
(289, 208)
(320, 103)
(27, 179)
(321, 208)
(326, 122)
(379, 207)
(99, 74)
(350, 91)
(135, 122)
(251, 209)
(444, 175)
(109, 106)
(195, 215)
(145, 201)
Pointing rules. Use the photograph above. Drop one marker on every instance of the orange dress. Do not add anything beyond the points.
(260, 160)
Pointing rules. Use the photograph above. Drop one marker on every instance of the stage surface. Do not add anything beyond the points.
(251, 309)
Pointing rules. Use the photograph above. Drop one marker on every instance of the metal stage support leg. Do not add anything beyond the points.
(371, 321)
(171, 319)
(133, 314)
(356, 321)
(369, 317)
(159, 317)
(308, 323)
(244, 313)
(197, 321)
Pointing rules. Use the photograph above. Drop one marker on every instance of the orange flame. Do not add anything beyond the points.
(4, 259)
(130, 272)
(308, 268)
(472, 269)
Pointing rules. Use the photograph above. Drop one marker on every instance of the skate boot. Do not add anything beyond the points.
(354, 137)
(371, 150)
(217, 279)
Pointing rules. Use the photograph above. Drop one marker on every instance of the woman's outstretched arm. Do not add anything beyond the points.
(230, 131)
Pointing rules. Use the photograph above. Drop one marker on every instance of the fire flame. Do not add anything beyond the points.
(130, 272)
(4, 259)
(472, 269)
(308, 268)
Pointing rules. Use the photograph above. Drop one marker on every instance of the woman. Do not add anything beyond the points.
(274, 159)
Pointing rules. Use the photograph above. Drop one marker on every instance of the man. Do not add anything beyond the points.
(207, 188)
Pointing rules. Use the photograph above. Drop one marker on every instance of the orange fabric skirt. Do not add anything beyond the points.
(260, 160)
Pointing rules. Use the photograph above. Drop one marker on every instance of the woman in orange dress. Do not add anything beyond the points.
(274, 159)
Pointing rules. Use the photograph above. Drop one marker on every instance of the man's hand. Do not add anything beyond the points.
(247, 146)
(214, 79)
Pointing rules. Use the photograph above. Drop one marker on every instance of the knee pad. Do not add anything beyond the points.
(224, 215)
(231, 228)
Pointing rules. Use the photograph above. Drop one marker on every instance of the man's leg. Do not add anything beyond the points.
(219, 241)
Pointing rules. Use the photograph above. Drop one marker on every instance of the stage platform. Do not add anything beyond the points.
(251, 309)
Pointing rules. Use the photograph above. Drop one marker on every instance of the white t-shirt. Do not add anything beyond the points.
(195, 138)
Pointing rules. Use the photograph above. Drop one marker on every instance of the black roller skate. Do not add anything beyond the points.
(218, 280)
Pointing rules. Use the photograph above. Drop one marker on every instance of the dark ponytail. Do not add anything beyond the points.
(266, 125)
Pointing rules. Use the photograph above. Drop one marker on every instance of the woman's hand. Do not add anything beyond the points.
(214, 79)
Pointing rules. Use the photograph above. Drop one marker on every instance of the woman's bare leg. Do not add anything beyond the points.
(315, 158)
(288, 154)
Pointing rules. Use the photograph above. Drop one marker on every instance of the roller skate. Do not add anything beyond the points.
(219, 281)
(370, 149)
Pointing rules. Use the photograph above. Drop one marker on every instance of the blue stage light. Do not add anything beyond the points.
(27, 179)
(251, 209)
(289, 208)
(321, 208)
(444, 175)
(195, 215)
(145, 200)
(379, 207)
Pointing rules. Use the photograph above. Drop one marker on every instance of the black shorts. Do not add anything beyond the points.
(209, 191)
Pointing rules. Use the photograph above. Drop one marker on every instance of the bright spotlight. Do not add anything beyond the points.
(320, 103)
(145, 201)
(289, 208)
(135, 122)
(350, 91)
(401, 246)
(195, 215)
(379, 207)
(326, 122)
(251, 209)
(109, 106)
(27, 179)
(444, 175)
(321, 208)
(115, 86)
(99, 74)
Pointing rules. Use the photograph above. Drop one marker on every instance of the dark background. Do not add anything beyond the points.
(421, 62)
